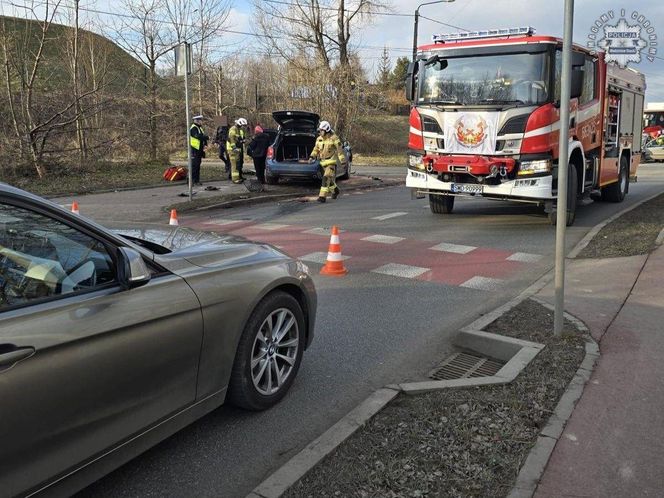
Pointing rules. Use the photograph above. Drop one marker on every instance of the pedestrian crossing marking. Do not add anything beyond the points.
(398, 270)
(388, 216)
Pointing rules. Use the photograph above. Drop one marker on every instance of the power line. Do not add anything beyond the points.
(165, 21)
(443, 23)
(290, 4)
(393, 14)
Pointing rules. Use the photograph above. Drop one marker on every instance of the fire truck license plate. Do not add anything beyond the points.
(467, 188)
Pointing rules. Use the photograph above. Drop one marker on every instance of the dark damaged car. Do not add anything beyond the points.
(110, 343)
(288, 157)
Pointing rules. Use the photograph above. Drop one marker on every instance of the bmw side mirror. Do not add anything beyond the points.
(133, 272)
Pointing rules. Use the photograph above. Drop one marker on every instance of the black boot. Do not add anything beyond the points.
(335, 194)
(321, 199)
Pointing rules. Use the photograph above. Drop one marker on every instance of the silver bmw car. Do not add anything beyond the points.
(111, 341)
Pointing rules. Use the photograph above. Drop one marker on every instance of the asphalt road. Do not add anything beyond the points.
(373, 328)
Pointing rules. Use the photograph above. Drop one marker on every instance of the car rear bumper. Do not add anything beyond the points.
(293, 170)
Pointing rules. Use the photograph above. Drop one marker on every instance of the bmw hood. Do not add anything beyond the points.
(206, 249)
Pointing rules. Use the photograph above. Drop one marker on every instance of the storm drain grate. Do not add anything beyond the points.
(466, 365)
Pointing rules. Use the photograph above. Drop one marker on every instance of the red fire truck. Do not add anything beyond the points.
(485, 121)
(653, 119)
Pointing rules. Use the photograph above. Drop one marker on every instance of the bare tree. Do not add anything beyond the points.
(317, 35)
(36, 114)
(147, 36)
(73, 52)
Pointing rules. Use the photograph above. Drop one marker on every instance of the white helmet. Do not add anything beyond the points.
(325, 126)
(241, 122)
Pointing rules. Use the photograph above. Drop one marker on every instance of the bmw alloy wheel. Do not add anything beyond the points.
(275, 351)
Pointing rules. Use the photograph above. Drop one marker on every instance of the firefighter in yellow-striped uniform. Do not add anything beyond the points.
(235, 148)
(328, 150)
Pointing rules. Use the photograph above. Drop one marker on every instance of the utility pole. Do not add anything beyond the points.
(417, 20)
(563, 160)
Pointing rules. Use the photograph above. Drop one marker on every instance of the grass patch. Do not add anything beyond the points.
(457, 442)
(360, 160)
(632, 234)
(100, 177)
(380, 134)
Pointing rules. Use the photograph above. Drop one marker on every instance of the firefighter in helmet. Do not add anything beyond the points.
(328, 150)
(235, 148)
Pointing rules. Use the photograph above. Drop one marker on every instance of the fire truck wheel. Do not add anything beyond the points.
(616, 191)
(572, 188)
(441, 204)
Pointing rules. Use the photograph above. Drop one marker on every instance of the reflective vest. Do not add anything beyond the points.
(193, 141)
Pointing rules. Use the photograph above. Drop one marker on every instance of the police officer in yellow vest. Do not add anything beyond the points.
(328, 150)
(198, 141)
(235, 148)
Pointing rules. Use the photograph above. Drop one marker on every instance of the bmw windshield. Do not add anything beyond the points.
(517, 78)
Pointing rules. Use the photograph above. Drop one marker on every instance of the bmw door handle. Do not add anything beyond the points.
(10, 354)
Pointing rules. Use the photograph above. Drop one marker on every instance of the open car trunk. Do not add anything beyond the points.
(295, 148)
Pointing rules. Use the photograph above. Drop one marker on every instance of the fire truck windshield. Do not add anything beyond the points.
(519, 79)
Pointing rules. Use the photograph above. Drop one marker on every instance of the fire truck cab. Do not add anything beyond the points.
(485, 121)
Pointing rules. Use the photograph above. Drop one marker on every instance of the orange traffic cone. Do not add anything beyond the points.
(334, 267)
(74, 207)
(174, 218)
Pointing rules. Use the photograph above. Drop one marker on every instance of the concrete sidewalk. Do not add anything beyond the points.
(612, 445)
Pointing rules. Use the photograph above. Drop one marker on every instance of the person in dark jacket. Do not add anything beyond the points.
(198, 143)
(220, 139)
(258, 152)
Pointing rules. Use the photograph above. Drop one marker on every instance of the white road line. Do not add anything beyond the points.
(359, 192)
(383, 239)
(455, 248)
(270, 226)
(319, 257)
(222, 222)
(397, 270)
(525, 257)
(321, 231)
(484, 283)
(388, 216)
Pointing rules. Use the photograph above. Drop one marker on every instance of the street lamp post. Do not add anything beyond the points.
(417, 19)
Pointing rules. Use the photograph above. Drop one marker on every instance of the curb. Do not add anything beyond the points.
(295, 195)
(535, 464)
(275, 485)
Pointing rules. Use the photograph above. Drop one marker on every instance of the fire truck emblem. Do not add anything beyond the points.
(470, 130)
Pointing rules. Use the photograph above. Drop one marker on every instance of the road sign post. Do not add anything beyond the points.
(563, 162)
(183, 65)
